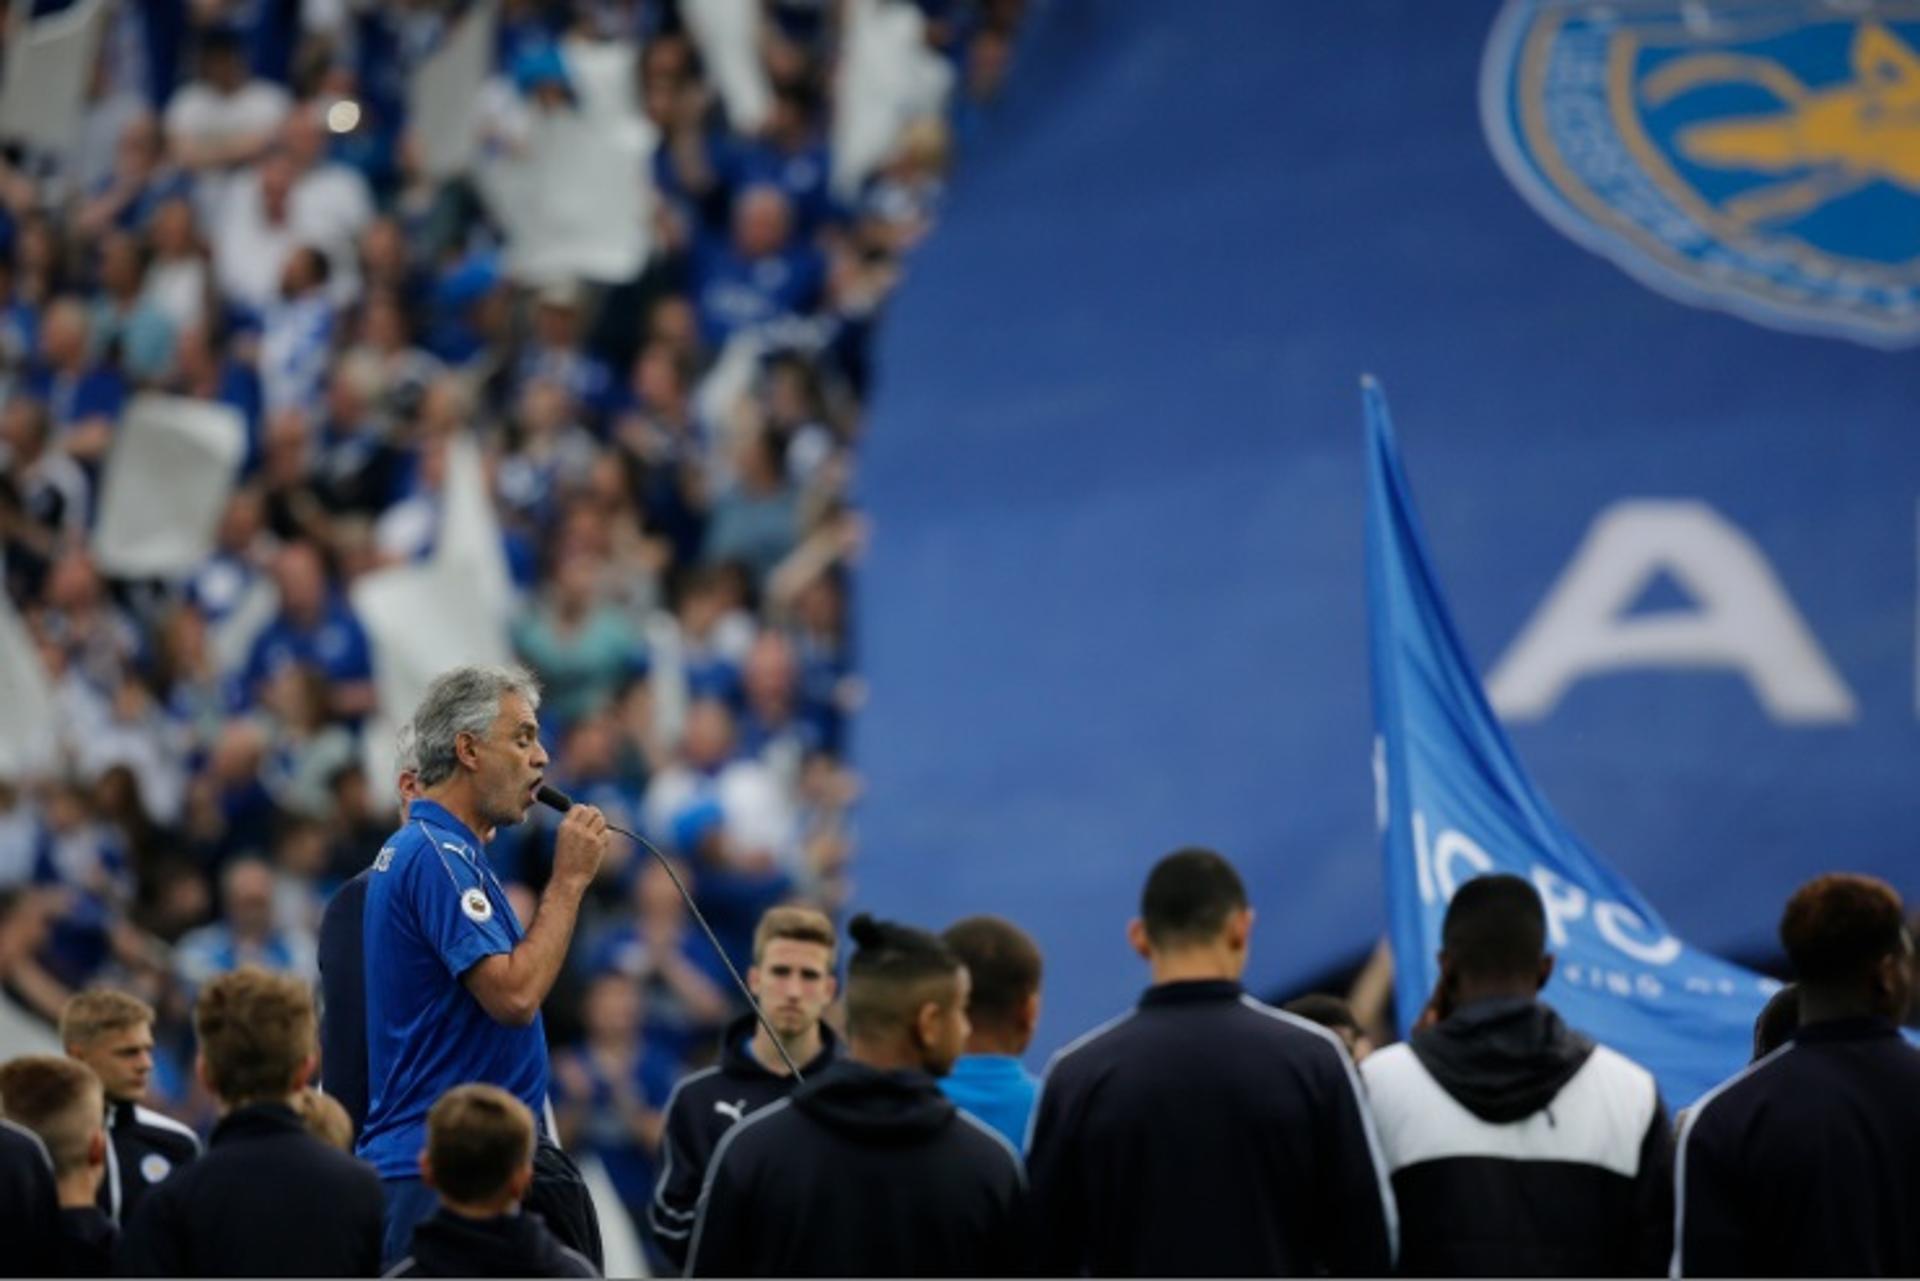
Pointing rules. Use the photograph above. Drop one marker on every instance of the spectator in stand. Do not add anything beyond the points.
(588, 770)
(386, 367)
(762, 274)
(793, 978)
(867, 1169)
(756, 520)
(1335, 1015)
(1204, 1133)
(205, 370)
(479, 1161)
(225, 119)
(799, 419)
(660, 441)
(902, 200)
(60, 1101)
(254, 233)
(86, 862)
(30, 997)
(558, 353)
(358, 466)
(791, 155)
(772, 728)
(44, 497)
(581, 645)
(989, 1080)
(99, 638)
(125, 320)
(1516, 1144)
(304, 748)
(553, 452)
(83, 397)
(268, 1199)
(143, 180)
(176, 279)
(296, 336)
(687, 163)
(314, 626)
(656, 948)
(112, 1033)
(332, 203)
(714, 633)
(611, 1089)
(759, 825)
(1804, 1164)
(246, 934)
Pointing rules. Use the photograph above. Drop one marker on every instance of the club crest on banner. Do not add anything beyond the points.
(1757, 156)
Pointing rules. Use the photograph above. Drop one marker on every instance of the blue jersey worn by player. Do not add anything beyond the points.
(434, 910)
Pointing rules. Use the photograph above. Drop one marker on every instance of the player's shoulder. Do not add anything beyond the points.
(1286, 1029)
(416, 846)
(982, 1145)
(774, 1129)
(695, 1088)
(162, 1130)
(1096, 1046)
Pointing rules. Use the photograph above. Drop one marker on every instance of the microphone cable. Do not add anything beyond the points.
(555, 799)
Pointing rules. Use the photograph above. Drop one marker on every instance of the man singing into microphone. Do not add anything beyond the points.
(453, 985)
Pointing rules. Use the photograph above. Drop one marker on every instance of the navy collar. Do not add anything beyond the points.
(1868, 1027)
(256, 1120)
(1189, 991)
(437, 815)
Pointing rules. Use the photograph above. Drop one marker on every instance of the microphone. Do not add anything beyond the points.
(555, 799)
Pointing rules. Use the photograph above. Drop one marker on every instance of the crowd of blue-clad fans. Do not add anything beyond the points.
(243, 219)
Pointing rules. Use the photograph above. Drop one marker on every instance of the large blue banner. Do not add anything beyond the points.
(1455, 803)
(1645, 275)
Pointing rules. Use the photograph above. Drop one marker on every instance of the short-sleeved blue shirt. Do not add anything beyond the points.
(434, 911)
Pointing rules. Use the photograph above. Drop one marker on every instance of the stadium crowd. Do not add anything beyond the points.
(244, 219)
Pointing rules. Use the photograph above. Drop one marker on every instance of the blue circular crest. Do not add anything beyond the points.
(1758, 156)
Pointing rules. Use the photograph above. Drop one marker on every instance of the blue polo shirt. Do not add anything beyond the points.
(434, 911)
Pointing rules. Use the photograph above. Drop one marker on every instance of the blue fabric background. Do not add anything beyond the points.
(1116, 598)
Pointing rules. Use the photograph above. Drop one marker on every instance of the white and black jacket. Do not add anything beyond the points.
(700, 1111)
(1519, 1147)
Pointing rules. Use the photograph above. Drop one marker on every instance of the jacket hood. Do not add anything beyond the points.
(872, 1106)
(735, 1061)
(1502, 1060)
(512, 1245)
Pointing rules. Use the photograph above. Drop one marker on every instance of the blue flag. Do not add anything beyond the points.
(1453, 803)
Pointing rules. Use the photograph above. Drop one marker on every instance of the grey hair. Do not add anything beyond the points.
(463, 701)
(406, 750)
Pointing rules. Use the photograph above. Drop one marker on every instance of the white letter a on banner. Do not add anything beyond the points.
(1742, 618)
